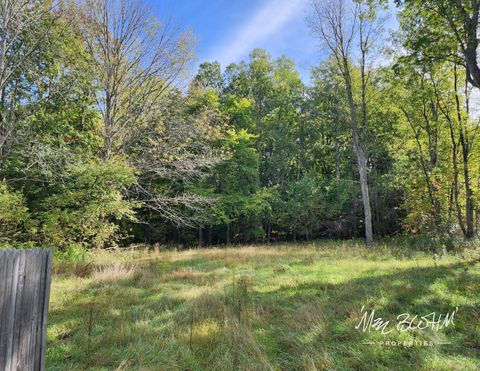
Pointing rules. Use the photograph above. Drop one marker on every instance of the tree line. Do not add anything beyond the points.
(105, 141)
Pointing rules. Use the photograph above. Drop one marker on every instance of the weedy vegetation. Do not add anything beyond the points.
(277, 307)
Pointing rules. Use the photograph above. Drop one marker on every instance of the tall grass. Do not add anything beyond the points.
(284, 307)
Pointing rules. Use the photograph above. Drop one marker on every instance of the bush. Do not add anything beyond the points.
(87, 207)
(14, 216)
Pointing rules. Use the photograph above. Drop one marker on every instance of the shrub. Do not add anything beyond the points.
(88, 205)
(14, 215)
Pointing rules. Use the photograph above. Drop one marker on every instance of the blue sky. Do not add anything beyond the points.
(227, 30)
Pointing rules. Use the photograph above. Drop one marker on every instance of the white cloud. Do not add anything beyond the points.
(266, 22)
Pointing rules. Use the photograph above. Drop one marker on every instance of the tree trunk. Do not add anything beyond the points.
(337, 154)
(228, 233)
(362, 170)
(469, 205)
(200, 236)
(456, 190)
(464, 143)
(107, 145)
(361, 158)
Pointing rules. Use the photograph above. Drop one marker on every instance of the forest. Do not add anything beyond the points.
(108, 138)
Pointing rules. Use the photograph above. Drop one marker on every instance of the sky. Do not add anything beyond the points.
(227, 30)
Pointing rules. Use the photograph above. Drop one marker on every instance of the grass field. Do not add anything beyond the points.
(292, 307)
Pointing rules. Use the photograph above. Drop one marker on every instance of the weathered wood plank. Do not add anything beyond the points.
(16, 293)
(37, 364)
(12, 275)
(4, 293)
(46, 299)
(24, 295)
(36, 328)
(33, 284)
(18, 311)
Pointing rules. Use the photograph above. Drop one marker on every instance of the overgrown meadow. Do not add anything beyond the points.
(281, 307)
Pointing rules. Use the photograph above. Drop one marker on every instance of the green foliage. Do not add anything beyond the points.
(74, 253)
(89, 204)
(209, 77)
(240, 171)
(14, 215)
(240, 199)
(303, 206)
(247, 154)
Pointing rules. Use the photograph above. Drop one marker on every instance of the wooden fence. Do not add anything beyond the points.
(24, 295)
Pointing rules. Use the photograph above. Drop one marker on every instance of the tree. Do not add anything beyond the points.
(339, 30)
(242, 199)
(86, 206)
(448, 97)
(25, 27)
(14, 215)
(443, 36)
(444, 29)
(174, 151)
(136, 60)
(209, 77)
(413, 94)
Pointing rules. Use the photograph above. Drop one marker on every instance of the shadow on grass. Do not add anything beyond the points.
(320, 318)
(168, 316)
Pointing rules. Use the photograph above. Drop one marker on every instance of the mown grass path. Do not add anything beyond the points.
(262, 308)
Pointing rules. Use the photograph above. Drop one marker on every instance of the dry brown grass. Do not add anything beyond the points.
(113, 272)
(183, 274)
(306, 316)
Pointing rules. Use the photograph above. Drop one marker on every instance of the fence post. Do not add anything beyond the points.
(24, 295)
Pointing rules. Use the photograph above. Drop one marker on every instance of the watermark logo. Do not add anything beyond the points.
(404, 322)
